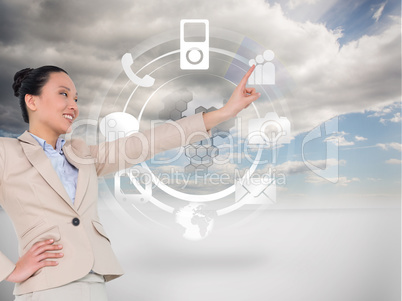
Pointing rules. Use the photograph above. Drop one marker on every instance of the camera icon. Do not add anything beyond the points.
(270, 130)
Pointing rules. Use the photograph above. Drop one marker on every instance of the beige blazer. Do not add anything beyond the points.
(36, 201)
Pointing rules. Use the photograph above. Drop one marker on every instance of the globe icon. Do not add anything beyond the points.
(195, 220)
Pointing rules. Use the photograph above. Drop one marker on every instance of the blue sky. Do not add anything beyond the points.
(360, 17)
(370, 149)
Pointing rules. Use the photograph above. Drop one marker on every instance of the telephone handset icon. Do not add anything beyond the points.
(127, 61)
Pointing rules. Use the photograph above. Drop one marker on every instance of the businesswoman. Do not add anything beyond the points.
(48, 186)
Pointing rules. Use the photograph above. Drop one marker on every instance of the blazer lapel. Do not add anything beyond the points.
(42, 164)
(83, 176)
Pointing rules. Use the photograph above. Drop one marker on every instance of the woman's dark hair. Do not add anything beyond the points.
(31, 81)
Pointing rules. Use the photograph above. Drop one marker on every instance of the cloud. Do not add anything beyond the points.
(383, 111)
(298, 167)
(343, 142)
(380, 113)
(393, 145)
(335, 81)
(360, 138)
(394, 161)
(339, 139)
(396, 118)
(292, 4)
(377, 14)
(341, 181)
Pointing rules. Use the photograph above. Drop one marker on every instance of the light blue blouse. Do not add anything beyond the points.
(67, 173)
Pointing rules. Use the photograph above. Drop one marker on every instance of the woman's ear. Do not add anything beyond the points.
(30, 101)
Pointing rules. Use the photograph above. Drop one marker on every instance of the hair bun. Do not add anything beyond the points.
(19, 78)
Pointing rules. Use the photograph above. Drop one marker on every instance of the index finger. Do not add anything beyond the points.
(244, 80)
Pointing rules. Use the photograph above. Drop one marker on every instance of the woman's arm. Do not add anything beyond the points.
(138, 147)
(241, 98)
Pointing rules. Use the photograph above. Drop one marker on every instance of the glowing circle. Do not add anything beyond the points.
(118, 123)
(194, 56)
(269, 55)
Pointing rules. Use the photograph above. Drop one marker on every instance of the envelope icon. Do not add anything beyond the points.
(255, 191)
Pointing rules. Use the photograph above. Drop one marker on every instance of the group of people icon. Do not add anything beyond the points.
(264, 72)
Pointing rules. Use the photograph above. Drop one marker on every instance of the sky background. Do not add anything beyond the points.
(344, 61)
(343, 58)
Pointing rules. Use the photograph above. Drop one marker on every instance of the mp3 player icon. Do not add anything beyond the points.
(194, 44)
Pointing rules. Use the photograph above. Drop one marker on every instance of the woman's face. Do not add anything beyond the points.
(56, 106)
